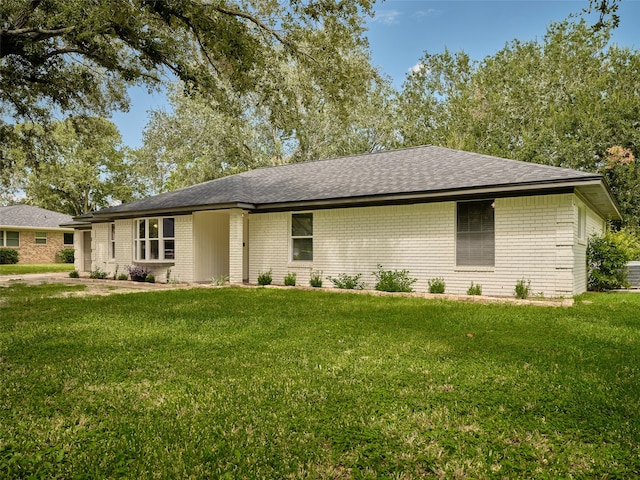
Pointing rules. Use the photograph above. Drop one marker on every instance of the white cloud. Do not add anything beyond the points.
(387, 17)
(417, 67)
(431, 12)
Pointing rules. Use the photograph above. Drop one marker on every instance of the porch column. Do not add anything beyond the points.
(235, 245)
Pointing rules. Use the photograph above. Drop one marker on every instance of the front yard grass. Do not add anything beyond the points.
(25, 268)
(271, 383)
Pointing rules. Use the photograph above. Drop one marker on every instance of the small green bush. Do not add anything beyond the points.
(65, 255)
(436, 285)
(393, 280)
(347, 282)
(290, 279)
(150, 278)
(97, 274)
(523, 289)
(123, 276)
(607, 258)
(8, 256)
(474, 289)
(74, 274)
(315, 280)
(265, 278)
(220, 280)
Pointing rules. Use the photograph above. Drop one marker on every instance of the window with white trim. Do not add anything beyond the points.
(9, 239)
(41, 238)
(582, 222)
(154, 239)
(475, 233)
(302, 236)
(112, 241)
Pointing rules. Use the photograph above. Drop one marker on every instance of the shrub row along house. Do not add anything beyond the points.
(436, 212)
(35, 233)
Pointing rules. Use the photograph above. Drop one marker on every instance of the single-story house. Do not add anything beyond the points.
(436, 212)
(35, 232)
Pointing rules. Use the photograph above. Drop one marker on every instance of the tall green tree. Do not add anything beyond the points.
(563, 101)
(83, 168)
(79, 57)
(196, 141)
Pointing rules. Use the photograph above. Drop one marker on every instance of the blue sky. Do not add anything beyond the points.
(402, 30)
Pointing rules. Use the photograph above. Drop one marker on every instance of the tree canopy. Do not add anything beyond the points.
(79, 57)
(83, 167)
(562, 101)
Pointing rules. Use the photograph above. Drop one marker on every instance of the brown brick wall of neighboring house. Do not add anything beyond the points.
(30, 252)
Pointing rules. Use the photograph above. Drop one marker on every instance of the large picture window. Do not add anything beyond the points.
(9, 239)
(475, 233)
(155, 239)
(302, 236)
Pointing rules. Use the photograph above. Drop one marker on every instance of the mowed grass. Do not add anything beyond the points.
(24, 268)
(270, 383)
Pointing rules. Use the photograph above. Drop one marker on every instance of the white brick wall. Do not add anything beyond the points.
(235, 245)
(534, 240)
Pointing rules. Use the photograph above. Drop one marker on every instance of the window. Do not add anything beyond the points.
(302, 236)
(112, 240)
(582, 222)
(41, 238)
(475, 234)
(9, 239)
(155, 239)
(68, 238)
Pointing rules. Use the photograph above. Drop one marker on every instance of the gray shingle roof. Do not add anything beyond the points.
(420, 170)
(29, 216)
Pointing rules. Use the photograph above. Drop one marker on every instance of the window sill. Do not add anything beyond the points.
(300, 264)
(474, 269)
(168, 263)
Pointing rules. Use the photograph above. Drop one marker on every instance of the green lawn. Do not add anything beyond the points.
(24, 268)
(269, 383)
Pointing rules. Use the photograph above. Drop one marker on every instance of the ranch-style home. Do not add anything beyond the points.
(436, 212)
(34, 232)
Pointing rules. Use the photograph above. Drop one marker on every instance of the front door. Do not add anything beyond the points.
(86, 251)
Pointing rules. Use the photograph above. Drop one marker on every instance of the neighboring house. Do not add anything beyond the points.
(35, 232)
(436, 212)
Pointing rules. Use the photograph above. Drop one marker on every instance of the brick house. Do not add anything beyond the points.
(34, 232)
(436, 212)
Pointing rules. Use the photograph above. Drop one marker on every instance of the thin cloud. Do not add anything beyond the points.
(431, 12)
(387, 17)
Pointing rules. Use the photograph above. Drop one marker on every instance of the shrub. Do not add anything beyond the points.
(137, 273)
(474, 289)
(290, 279)
(315, 280)
(74, 274)
(436, 285)
(523, 289)
(348, 282)
(123, 276)
(97, 274)
(220, 280)
(65, 255)
(8, 256)
(393, 280)
(265, 278)
(607, 258)
(150, 278)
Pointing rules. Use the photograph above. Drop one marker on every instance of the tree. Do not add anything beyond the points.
(86, 168)
(74, 56)
(197, 141)
(562, 101)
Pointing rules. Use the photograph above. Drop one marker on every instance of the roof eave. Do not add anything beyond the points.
(100, 217)
(532, 188)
